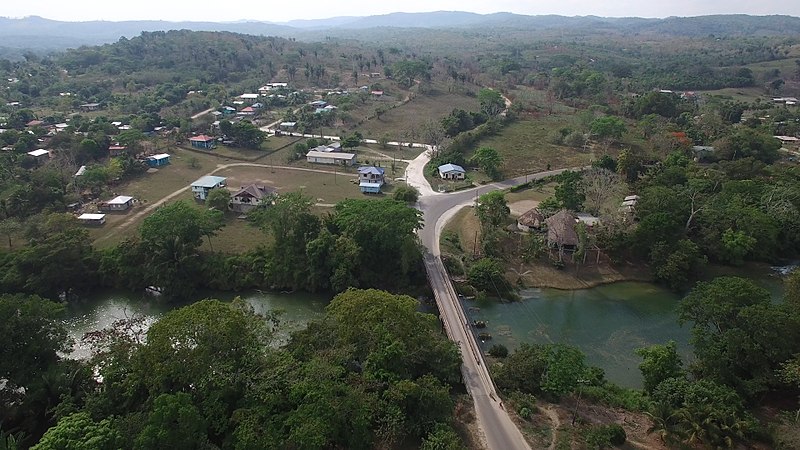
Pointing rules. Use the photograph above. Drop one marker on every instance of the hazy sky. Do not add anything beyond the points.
(278, 11)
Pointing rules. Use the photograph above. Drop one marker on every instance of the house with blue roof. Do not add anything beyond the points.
(370, 179)
(452, 172)
(204, 185)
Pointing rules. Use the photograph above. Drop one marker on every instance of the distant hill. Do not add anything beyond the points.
(39, 34)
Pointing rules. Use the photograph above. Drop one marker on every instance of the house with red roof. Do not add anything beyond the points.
(202, 142)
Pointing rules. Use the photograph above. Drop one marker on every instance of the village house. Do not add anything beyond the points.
(530, 220)
(118, 203)
(347, 159)
(40, 154)
(561, 232)
(788, 140)
(318, 104)
(86, 107)
(162, 159)
(328, 148)
(248, 111)
(287, 126)
(250, 196)
(587, 219)
(116, 150)
(452, 172)
(204, 185)
(629, 203)
(271, 86)
(202, 142)
(370, 179)
(788, 101)
(92, 219)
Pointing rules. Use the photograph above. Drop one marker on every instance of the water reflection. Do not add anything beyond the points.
(101, 311)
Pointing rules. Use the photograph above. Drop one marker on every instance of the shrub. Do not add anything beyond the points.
(605, 436)
(498, 351)
(406, 194)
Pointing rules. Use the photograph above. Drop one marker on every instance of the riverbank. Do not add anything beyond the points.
(543, 274)
(461, 236)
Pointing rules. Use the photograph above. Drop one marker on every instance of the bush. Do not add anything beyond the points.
(498, 351)
(605, 436)
(575, 139)
(408, 194)
(617, 397)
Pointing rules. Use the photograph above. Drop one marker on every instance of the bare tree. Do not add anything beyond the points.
(432, 133)
(603, 189)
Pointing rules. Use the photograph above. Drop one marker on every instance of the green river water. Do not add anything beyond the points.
(607, 322)
(99, 312)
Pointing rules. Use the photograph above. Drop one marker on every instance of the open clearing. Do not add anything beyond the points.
(326, 185)
(524, 147)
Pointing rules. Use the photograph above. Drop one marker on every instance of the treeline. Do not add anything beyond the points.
(362, 243)
(373, 372)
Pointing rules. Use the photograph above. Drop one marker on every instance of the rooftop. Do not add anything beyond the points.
(451, 168)
(87, 216)
(371, 170)
(209, 181)
(201, 138)
(119, 200)
(333, 155)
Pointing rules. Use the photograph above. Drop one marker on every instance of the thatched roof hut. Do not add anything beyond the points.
(561, 229)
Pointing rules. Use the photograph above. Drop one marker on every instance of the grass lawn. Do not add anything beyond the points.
(534, 194)
(324, 188)
(466, 227)
(525, 149)
(237, 236)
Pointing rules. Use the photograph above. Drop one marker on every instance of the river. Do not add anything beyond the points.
(102, 309)
(608, 323)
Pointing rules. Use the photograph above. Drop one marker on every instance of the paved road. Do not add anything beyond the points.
(499, 431)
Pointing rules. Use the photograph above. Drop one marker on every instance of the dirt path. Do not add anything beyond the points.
(202, 113)
(555, 420)
(219, 167)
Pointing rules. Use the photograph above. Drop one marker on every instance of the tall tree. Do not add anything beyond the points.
(489, 160)
(491, 101)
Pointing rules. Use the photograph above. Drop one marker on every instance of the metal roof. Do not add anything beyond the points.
(208, 181)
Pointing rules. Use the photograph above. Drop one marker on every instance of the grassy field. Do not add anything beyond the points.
(400, 120)
(537, 194)
(421, 109)
(525, 148)
(272, 144)
(326, 187)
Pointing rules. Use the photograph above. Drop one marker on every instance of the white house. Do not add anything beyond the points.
(370, 179)
(204, 185)
(92, 219)
(118, 203)
(39, 153)
(452, 172)
(347, 159)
